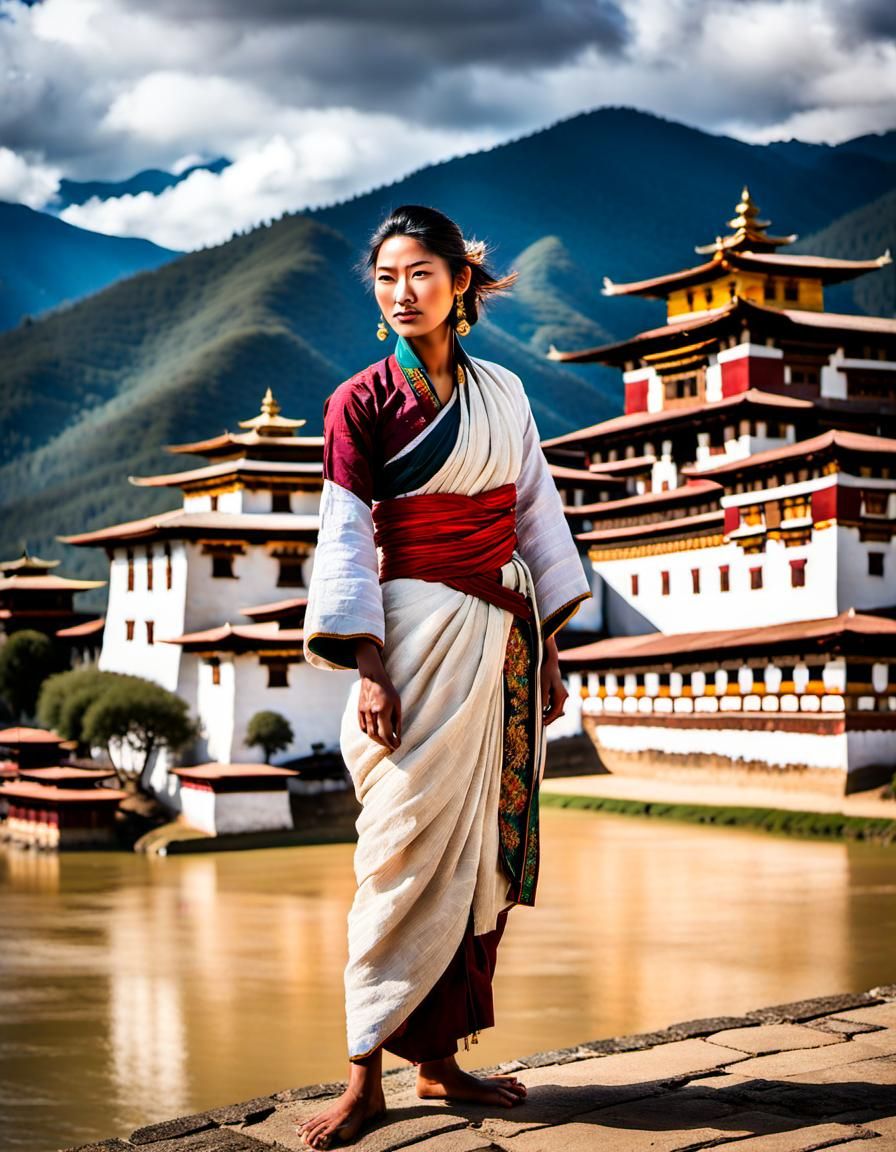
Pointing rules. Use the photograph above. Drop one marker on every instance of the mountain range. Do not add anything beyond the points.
(93, 390)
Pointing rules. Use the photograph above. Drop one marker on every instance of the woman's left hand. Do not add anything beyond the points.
(553, 690)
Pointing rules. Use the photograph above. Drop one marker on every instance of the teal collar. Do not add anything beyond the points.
(415, 372)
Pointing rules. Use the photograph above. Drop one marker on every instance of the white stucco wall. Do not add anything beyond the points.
(779, 749)
(855, 588)
(313, 703)
(221, 812)
(685, 611)
(164, 606)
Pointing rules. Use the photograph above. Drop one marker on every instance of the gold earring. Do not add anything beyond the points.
(382, 332)
(462, 327)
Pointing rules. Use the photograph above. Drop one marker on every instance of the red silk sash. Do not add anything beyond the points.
(449, 538)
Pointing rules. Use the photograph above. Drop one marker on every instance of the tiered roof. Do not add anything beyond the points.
(270, 453)
(32, 574)
(850, 632)
(716, 325)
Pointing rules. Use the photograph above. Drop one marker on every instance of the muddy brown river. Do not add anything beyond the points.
(134, 989)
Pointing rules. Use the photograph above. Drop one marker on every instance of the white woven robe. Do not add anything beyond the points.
(428, 841)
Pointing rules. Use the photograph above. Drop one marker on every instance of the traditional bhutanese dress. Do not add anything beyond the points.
(442, 539)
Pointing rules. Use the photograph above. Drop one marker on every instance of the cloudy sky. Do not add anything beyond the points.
(315, 100)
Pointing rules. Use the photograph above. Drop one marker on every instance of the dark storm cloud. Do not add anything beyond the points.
(869, 20)
(511, 33)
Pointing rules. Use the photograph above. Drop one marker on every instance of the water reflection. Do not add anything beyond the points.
(137, 989)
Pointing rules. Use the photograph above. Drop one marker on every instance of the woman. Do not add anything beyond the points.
(444, 567)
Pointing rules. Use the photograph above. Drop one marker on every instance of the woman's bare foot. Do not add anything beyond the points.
(343, 1120)
(443, 1079)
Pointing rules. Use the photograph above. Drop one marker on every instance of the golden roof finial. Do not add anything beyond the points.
(747, 217)
(269, 422)
(269, 406)
(749, 231)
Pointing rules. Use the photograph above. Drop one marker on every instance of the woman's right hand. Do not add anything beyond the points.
(379, 705)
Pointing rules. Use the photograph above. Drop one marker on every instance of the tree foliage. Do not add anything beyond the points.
(101, 708)
(27, 658)
(269, 731)
(140, 714)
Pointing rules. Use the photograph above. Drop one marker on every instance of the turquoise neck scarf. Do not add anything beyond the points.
(415, 372)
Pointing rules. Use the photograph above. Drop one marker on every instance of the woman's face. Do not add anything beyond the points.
(414, 287)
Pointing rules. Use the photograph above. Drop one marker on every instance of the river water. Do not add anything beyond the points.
(134, 989)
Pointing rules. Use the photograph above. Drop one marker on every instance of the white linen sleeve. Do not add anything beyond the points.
(344, 598)
(544, 538)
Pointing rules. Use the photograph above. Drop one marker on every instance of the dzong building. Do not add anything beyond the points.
(742, 543)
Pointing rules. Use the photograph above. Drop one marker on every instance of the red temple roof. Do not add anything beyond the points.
(854, 630)
(723, 321)
(828, 270)
(215, 771)
(275, 470)
(857, 442)
(11, 737)
(178, 524)
(276, 609)
(26, 790)
(86, 628)
(240, 638)
(693, 525)
(47, 583)
(585, 477)
(752, 397)
(645, 500)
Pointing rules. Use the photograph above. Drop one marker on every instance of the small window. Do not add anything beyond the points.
(216, 671)
(149, 571)
(278, 675)
(768, 290)
(280, 502)
(214, 503)
(169, 568)
(876, 504)
(664, 576)
(798, 573)
(875, 563)
(150, 632)
(724, 578)
(755, 577)
(222, 567)
(130, 570)
(129, 629)
(290, 573)
(695, 580)
(791, 291)
(634, 583)
(690, 299)
(707, 296)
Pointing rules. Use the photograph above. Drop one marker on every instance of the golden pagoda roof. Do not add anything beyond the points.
(749, 230)
(269, 422)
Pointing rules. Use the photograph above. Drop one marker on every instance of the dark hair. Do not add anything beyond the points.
(441, 236)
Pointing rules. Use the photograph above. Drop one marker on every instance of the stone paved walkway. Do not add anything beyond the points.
(797, 1077)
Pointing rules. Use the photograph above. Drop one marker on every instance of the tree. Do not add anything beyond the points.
(140, 714)
(269, 731)
(65, 698)
(26, 660)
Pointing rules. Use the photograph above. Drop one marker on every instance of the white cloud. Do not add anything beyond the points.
(327, 153)
(24, 183)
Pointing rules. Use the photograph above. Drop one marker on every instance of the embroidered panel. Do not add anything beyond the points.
(518, 803)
